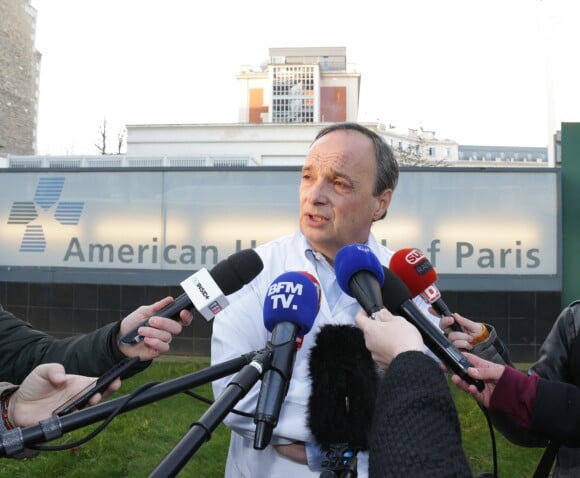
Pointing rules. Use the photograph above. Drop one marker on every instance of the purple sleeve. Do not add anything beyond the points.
(515, 395)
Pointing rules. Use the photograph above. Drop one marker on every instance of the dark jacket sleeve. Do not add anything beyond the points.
(415, 430)
(556, 413)
(22, 348)
(492, 349)
(553, 365)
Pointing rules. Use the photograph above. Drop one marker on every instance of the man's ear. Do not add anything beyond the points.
(383, 201)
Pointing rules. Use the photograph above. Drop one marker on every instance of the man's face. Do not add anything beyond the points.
(337, 206)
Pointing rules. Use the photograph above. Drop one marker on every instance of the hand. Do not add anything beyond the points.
(44, 389)
(461, 340)
(484, 370)
(294, 451)
(389, 336)
(158, 335)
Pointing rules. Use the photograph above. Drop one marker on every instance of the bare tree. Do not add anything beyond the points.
(102, 144)
(121, 139)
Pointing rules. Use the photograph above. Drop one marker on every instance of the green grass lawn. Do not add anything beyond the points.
(136, 442)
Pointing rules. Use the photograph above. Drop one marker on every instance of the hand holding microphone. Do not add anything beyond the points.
(396, 297)
(415, 270)
(206, 291)
(388, 336)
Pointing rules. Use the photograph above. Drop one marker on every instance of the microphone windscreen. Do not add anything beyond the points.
(344, 387)
(414, 269)
(394, 292)
(293, 297)
(356, 258)
(237, 270)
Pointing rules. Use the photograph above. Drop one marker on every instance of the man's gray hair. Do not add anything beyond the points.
(387, 166)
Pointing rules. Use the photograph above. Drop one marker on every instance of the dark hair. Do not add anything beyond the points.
(387, 166)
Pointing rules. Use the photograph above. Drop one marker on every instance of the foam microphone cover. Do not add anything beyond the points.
(414, 269)
(237, 270)
(344, 387)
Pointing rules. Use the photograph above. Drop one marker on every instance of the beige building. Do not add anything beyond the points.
(283, 103)
(19, 78)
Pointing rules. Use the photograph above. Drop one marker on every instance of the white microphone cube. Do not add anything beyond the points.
(205, 294)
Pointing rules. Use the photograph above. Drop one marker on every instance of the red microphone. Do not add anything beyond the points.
(417, 273)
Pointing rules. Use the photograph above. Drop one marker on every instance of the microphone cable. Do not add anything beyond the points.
(100, 428)
(493, 446)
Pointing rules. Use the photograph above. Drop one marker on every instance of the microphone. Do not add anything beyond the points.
(290, 307)
(344, 389)
(398, 299)
(360, 275)
(415, 270)
(205, 290)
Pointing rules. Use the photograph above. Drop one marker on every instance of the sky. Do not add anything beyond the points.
(480, 72)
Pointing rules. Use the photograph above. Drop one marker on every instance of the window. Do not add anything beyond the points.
(293, 94)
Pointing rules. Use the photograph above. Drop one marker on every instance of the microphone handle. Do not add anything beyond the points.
(170, 311)
(441, 308)
(275, 382)
(439, 345)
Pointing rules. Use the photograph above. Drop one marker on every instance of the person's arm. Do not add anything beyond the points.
(553, 361)
(42, 391)
(486, 344)
(415, 430)
(545, 408)
(507, 390)
(23, 347)
(388, 336)
(557, 412)
(476, 337)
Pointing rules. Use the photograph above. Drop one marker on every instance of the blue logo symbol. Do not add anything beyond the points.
(46, 197)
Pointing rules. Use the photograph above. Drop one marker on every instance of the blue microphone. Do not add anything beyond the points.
(291, 305)
(360, 275)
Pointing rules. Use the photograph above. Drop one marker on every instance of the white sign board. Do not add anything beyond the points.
(466, 222)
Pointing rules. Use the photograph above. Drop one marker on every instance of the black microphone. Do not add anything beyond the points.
(398, 299)
(290, 307)
(205, 290)
(344, 389)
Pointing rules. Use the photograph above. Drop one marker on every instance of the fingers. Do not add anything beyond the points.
(487, 374)
(157, 306)
(362, 320)
(113, 387)
(460, 341)
(54, 373)
(162, 328)
(186, 317)
(444, 322)
(384, 315)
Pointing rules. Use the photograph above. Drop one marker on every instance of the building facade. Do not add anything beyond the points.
(19, 78)
(300, 85)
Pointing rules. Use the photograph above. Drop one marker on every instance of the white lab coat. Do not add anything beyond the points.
(239, 329)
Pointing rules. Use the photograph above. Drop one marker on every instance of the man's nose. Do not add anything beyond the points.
(318, 192)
